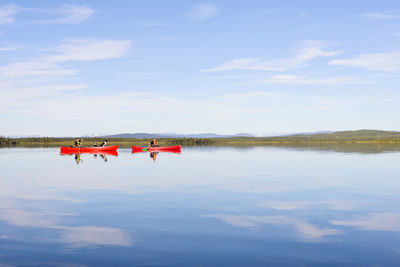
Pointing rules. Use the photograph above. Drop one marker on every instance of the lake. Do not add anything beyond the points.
(208, 206)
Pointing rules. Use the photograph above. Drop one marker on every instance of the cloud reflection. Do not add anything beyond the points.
(79, 236)
(384, 221)
(93, 235)
(305, 229)
(292, 205)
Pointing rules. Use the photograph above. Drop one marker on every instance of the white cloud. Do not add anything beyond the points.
(23, 69)
(74, 50)
(378, 16)
(305, 229)
(88, 50)
(385, 221)
(310, 50)
(7, 13)
(289, 79)
(389, 61)
(235, 64)
(203, 12)
(66, 14)
(72, 14)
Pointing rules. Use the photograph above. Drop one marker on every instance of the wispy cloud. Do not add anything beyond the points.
(203, 12)
(72, 50)
(7, 13)
(89, 50)
(43, 79)
(23, 69)
(294, 79)
(235, 64)
(66, 14)
(38, 91)
(11, 48)
(389, 61)
(275, 16)
(311, 50)
(254, 94)
(378, 16)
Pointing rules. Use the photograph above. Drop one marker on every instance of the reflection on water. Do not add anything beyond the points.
(103, 155)
(260, 206)
(153, 154)
(363, 148)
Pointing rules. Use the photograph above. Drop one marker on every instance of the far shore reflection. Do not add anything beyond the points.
(358, 148)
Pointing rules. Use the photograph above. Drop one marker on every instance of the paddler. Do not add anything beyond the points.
(104, 143)
(153, 143)
(78, 142)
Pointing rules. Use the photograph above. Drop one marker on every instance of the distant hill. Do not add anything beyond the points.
(320, 135)
(133, 135)
(307, 133)
(173, 135)
(311, 136)
(348, 135)
(358, 137)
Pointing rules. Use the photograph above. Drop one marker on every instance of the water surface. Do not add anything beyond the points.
(210, 206)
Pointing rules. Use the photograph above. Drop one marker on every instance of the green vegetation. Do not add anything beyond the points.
(345, 137)
(7, 141)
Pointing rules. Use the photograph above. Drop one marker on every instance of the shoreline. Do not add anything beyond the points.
(235, 141)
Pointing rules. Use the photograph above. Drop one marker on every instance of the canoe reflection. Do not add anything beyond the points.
(153, 154)
(102, 155)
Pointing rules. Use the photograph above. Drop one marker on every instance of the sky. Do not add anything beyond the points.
(73, 68)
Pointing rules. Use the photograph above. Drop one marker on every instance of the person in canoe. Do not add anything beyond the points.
(104, 143)
(78, 142)
(153, 143)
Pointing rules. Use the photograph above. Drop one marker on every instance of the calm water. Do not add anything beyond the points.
(203, 207)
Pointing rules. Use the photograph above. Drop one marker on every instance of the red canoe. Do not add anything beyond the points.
(152, 151)
(98, 149)
(157, 148)
(103, 152)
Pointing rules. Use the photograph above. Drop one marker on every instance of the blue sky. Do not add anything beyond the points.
(83, 67)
